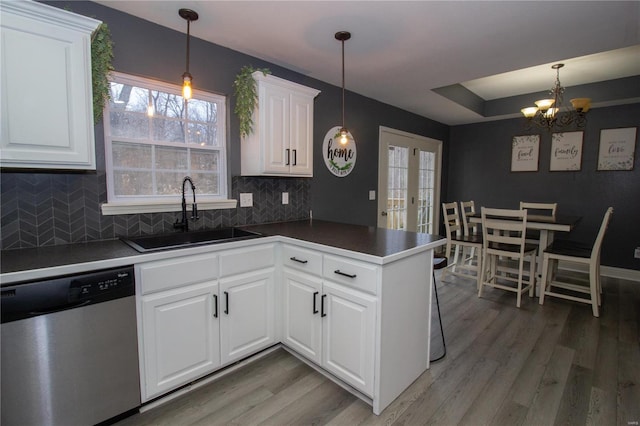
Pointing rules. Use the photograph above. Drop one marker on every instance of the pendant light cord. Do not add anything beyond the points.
(188, 39)
(343, 84)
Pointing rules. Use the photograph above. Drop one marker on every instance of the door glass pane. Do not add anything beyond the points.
(397, 187)
(426, 192)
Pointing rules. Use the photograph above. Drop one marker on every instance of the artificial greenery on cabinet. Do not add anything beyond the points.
(246, 97)
(101, 57)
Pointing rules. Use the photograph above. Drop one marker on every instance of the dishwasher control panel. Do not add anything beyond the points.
(100, 283)
(35, 298)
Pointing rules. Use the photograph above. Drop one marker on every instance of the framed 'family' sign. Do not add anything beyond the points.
(524, 153)
(566, 151)
(617, 149)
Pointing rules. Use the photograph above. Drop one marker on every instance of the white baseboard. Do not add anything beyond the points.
(607, 271)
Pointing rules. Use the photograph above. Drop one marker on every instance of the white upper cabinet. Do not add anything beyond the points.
(282, 140)
(47, 112)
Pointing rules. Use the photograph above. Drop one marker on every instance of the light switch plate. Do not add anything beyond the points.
(372, 195)
(246, 199)
(285, 198)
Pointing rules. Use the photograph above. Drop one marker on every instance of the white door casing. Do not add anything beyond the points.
(414, 181)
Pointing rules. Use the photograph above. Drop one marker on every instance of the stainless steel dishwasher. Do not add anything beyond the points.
(69, 349)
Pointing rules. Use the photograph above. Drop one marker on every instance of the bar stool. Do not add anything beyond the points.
(439, 262)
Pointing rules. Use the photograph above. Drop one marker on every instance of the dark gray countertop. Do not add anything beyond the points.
(66, 254)
(367, 240)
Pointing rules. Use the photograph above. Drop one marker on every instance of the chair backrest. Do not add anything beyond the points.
(544, 208)
(504, 231)
(597, 245)
(451, 219)
(467, 207)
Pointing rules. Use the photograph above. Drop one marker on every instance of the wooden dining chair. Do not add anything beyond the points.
(470, 229)
(544, 209)
(503, 233)
(585, 290)
(457, 241)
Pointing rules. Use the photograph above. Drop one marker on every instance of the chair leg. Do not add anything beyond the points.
(481, 273)
(520, 272)
(544, 279)
(532, 276)
(593, 284)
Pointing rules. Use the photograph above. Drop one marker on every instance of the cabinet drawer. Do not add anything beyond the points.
(181, 271)
(246, 259)
(352, 273)
(302, 259)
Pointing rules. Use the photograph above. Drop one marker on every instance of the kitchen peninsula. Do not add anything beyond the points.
(329, 285)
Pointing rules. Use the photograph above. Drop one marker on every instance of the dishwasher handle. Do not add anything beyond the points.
(61, 308)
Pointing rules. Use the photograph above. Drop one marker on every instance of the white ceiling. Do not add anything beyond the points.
(401, 50)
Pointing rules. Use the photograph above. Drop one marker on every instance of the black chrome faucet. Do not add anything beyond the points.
(184, 224)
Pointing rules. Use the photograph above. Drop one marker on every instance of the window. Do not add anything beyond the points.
(154, 138)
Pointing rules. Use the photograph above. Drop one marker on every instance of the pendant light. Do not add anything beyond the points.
(343, 36)
(189, 15)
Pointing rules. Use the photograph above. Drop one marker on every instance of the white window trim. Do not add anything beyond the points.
(170, 205)
(109, 209)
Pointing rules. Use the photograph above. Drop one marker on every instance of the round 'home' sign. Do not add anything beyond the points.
(340, 159)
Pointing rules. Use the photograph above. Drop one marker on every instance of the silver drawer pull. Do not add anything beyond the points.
(298, 260)
(344, 274)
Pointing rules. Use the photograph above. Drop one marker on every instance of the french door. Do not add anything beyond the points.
(409, 169)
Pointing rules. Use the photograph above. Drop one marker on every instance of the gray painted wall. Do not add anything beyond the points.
(479, 170)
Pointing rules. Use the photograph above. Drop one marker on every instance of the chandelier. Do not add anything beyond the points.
(549, 113)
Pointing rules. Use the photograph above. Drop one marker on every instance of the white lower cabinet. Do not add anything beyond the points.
(348, 331)
(302, 323)
(247, 314)
(331, 325)
(181, 336)
(192, 322)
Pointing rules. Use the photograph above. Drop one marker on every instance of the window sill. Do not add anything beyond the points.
(109, 209)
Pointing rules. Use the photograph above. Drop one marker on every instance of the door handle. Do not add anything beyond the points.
(298, 260)
(315, 308)
(215, 306)
(322, 312)
(383, 214)
(226, 303)
(287, 153)
(295, 157)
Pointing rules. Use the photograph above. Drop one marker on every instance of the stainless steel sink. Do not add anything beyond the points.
(187, 239)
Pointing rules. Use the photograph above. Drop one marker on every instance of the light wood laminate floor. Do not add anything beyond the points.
(537, 365)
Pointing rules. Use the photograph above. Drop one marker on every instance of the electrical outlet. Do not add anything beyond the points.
(372, 195)
(637, 253)
(285, 198)
(246, 199)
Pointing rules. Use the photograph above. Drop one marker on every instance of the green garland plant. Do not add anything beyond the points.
(246, 94)
(101, 57)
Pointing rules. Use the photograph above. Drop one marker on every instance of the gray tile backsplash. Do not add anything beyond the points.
(43, 209)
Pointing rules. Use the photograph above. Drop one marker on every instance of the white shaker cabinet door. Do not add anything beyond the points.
(46, 97)
(275, 110)
(246, 314)
(301, 316)
(301, 135)
(349, 335)
(181, 336)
